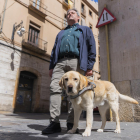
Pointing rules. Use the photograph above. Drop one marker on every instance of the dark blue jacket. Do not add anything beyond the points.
(86, 45)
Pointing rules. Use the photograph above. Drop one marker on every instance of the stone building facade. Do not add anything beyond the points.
(24, 60)
(124, 44)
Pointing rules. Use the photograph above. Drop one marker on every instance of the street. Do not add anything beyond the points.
(28, 126)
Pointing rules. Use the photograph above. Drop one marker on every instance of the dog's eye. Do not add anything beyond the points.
(66, 79)
(75, 79)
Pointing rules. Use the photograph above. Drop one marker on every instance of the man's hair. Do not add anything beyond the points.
(74, 9)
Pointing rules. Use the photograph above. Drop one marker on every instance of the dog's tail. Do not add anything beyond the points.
(127, 99)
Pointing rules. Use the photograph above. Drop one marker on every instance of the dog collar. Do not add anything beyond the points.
(90, 86)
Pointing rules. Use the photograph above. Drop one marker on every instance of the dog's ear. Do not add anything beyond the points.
(83, 81)
(61, 83)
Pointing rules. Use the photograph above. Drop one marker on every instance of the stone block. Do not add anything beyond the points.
(135, 86)
(125, 109)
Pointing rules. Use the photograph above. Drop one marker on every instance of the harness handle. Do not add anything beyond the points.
(95, 71)
(93, 84)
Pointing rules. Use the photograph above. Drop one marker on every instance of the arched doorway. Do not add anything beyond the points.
(25, 92)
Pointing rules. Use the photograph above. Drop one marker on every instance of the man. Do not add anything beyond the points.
(74, 49)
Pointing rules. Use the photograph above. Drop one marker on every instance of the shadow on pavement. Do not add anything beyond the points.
(110, 130)
(55, 135)
(31, 136)
(36, 127)
(45, 116)
(63, 132)
(95, 130)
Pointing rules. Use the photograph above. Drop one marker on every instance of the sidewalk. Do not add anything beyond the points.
(28, 126)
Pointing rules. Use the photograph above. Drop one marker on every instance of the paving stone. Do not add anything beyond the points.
(28, 126)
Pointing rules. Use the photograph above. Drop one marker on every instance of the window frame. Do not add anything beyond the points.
(91, 13)
(83, 7)
(35, 4)
(32, 34)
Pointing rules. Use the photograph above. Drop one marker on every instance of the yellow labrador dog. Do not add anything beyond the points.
(106, 95)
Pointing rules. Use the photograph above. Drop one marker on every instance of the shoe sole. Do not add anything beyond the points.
(56, 131)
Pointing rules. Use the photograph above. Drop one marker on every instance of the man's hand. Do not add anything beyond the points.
(89, 73)
(50, 72)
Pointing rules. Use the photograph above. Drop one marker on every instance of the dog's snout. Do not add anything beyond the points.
(70, 88)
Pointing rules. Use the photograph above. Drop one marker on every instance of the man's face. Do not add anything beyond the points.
(72, 16)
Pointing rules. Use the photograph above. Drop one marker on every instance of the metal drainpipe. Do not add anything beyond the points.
(3, 16)
(108, 61)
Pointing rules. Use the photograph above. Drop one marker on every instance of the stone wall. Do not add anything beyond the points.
(124, 44)
(11, 63)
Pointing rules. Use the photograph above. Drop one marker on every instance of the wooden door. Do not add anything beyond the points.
(24, 93)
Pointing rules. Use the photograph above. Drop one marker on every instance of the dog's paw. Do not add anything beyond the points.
(100, 130)
(71, 131)
(117, 131)
(86, 133)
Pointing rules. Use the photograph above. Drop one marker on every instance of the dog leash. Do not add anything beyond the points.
(90, 86)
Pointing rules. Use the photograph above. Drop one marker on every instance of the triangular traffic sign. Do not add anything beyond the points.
(105, 18)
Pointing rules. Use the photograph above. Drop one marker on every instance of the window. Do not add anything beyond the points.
(37, 3)
(90, 26)
(82, 8)
(65, 21)
(83, 22)
(90, 13)
(33, 35)
(83, 11)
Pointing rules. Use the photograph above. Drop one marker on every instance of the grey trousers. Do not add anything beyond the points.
(64, 65)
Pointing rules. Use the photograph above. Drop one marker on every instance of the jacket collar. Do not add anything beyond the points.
(79, 26)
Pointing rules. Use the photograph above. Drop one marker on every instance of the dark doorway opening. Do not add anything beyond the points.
(25, 92)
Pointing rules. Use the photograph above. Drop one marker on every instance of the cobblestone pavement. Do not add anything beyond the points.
(29, 126)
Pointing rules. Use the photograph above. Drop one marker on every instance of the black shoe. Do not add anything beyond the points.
(53, 127)
(69, 127)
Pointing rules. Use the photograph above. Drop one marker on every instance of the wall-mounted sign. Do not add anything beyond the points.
(105, 18)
